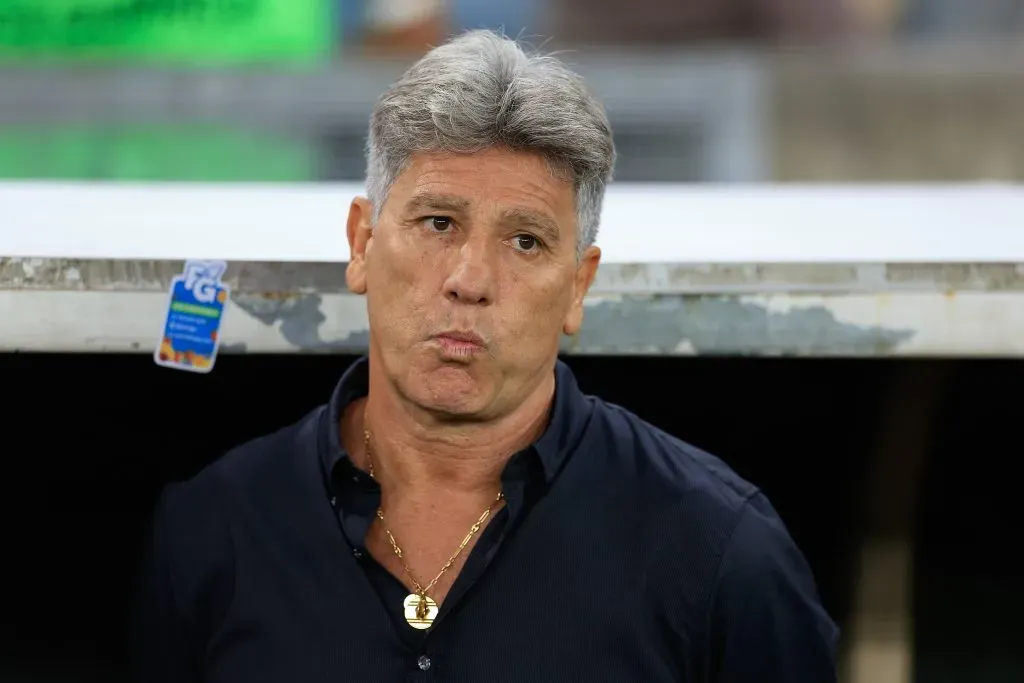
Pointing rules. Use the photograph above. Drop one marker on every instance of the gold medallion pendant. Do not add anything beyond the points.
(419, 608)
(420, 611)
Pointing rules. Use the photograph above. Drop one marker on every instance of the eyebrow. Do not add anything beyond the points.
(429, 201)
(538, 222)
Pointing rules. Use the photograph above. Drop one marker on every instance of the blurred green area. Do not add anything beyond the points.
(206, 153)
(191, 32)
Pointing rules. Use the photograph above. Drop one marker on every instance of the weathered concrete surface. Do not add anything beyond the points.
(867, 310)
(727, 325)
(279, 279)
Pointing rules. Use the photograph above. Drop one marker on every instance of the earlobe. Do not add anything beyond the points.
(574, 320)
(360, 231)
(585, 273)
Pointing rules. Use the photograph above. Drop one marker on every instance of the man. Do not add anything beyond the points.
(459, 510)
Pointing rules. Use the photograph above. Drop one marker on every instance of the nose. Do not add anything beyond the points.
(472, 279)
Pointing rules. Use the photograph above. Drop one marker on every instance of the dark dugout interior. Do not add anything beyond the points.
(88, 441)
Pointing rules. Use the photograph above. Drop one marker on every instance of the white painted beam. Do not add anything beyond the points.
(643, 223)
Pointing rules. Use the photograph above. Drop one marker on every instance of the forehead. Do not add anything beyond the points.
(495, 178)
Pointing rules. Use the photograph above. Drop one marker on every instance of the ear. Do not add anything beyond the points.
(360, 235)
(586, 269)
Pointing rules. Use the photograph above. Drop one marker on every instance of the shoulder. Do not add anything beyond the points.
(689, 501)
(666, 470)
(252, 468)
(691, 489)
(193, 519)
(724, 551)
(704, 513)
(765, 616)
(759, 557)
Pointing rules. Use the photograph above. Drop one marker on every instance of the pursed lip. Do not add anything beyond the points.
(460, 337)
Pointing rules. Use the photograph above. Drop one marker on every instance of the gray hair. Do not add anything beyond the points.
(482, 89)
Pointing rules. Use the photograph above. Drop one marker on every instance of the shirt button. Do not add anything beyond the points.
(423, 663)
(357, 553)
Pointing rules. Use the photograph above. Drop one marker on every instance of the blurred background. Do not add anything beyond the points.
(889, 472)
(698, 90)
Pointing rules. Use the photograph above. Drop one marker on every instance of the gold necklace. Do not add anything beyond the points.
(421, 609)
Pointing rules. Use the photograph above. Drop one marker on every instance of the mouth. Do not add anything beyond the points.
(458, 344)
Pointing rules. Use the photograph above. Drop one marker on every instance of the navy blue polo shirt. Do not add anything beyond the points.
(623, 554)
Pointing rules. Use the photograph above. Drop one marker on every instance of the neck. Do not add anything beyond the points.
(414, 451)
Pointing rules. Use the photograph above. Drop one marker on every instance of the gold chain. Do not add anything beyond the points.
(422, 590)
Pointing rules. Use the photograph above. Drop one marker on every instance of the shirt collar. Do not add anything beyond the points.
(570, 414)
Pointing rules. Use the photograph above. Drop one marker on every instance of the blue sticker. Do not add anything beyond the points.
(194, 314)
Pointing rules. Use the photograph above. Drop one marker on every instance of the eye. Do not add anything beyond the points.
(438, 223)
(525, 243)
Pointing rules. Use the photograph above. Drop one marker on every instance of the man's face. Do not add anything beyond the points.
(471, 276)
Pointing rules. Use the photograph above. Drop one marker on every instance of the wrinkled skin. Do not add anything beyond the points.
(483, 245)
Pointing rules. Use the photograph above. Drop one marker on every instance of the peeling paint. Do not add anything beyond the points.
(724, 325)
(758, 309)
(299, 318)
(261, 278)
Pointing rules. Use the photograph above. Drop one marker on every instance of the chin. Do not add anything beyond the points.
(458, 390)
